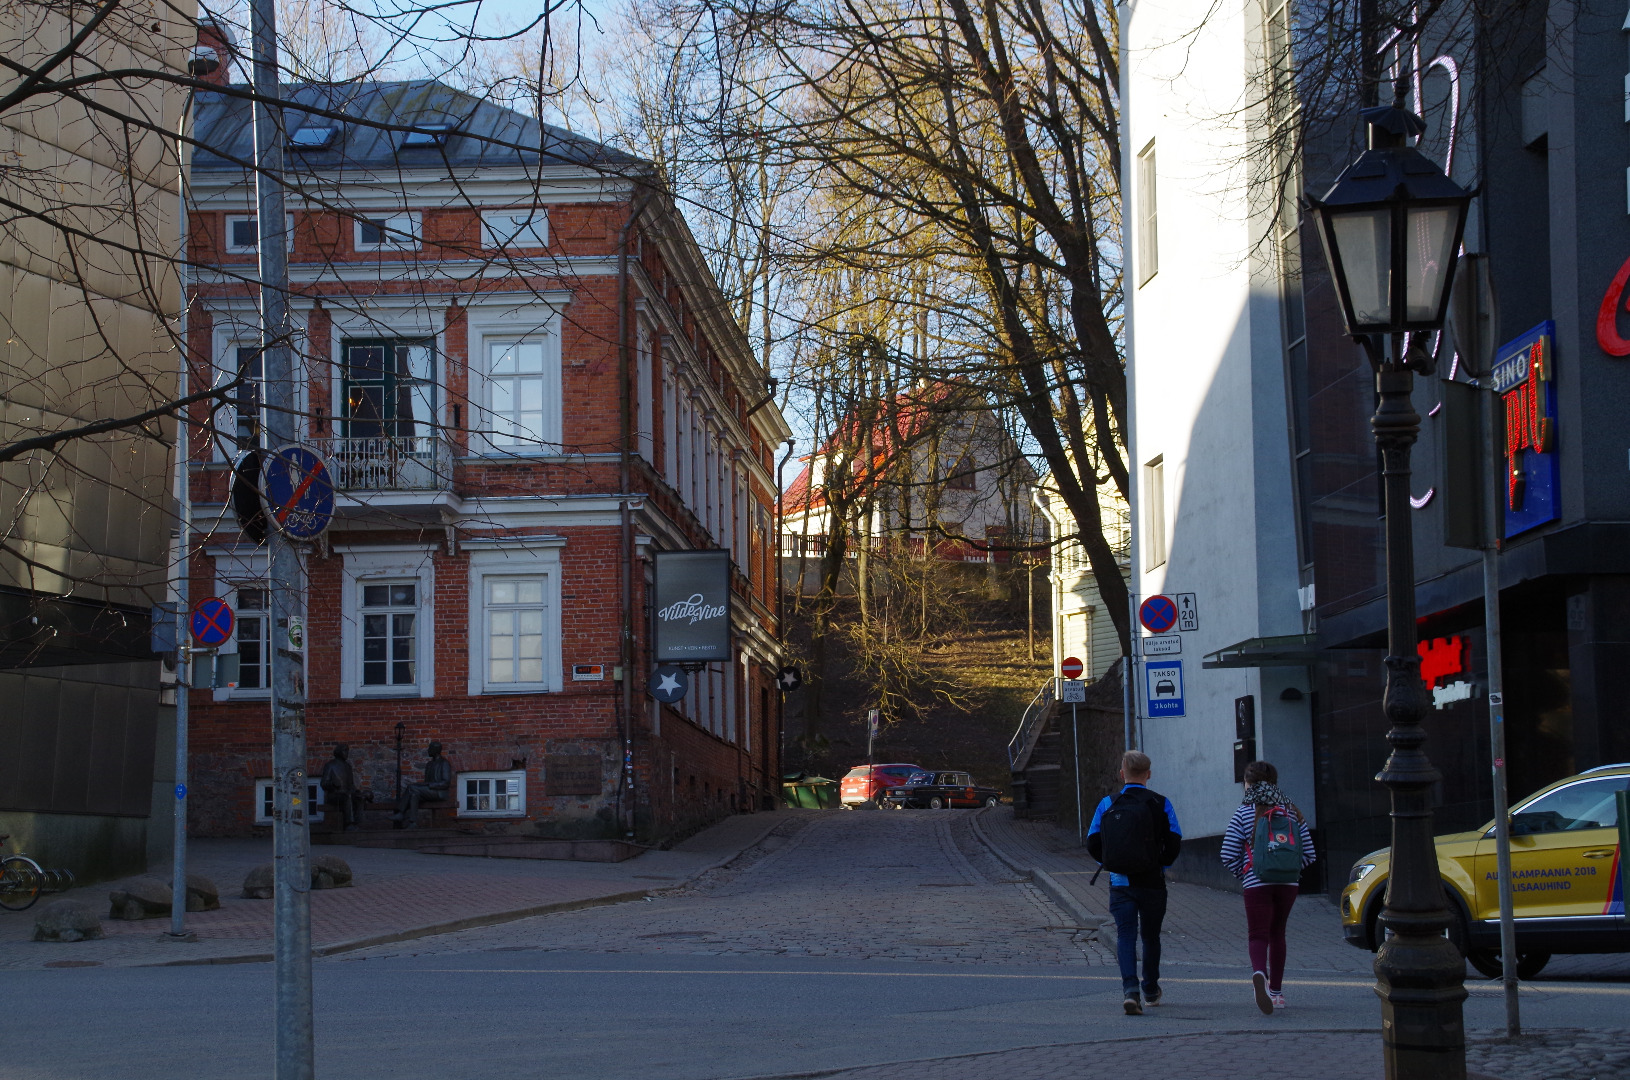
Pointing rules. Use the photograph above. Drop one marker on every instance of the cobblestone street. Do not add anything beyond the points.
(820, 944)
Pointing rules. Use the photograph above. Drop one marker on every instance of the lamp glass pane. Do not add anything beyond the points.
(1364, 246)
(1429, 233)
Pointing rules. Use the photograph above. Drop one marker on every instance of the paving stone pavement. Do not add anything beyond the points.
(398, 894)
(853, 885)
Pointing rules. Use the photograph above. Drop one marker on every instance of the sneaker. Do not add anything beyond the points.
(1153, 999)
(1133, 1006)
(1277, 998)
(1259, 983)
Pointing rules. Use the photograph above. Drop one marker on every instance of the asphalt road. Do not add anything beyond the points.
(864, 938)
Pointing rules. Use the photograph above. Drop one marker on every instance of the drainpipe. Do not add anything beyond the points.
(781, 616)
(625, 467)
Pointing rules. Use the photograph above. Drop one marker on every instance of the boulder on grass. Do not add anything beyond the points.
(144, 897)
(257, 885)
(202, 895)
(330, 872)
(67, 920)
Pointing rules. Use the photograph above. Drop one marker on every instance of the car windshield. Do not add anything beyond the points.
(1586, 805)
(920, 778)
(859, 772)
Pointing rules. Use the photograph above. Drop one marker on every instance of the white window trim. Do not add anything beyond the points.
(490, 774)
(398, 237)
(235, 568)
(236, 328)
(366, 563)
(408, 323)
(522, 559)
(314, 793)
(250, 249)
(496, 223)
(534, 323)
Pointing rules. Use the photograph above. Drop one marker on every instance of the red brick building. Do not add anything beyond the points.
(525, 381)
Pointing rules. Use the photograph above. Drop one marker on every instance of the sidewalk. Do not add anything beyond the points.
(1203, 926)
(397, 895)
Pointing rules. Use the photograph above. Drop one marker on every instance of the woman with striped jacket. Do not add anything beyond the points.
(1267, 904)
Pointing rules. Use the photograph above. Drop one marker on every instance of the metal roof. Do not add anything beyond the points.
(483, 135)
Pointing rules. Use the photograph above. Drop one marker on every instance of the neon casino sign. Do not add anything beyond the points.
(1525, 378)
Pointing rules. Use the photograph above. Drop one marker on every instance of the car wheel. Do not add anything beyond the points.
(936, 803)
(1486, 962)
(993, 801)
(1530, 964)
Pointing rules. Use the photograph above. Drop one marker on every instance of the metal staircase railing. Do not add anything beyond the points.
(1034, 722)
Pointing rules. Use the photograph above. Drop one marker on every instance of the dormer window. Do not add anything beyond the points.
(427, 136)
(313, 137)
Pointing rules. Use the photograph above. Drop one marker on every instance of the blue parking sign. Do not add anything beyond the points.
(1163, 680)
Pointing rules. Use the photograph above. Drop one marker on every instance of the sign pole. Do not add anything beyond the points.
(291, 934)
(1075, 737)
(183, 676)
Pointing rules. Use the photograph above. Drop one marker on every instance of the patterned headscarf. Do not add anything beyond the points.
(1266, 794)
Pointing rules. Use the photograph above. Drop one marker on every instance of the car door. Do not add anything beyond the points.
(1563, 844)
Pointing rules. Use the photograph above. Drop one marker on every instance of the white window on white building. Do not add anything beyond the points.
(265, 804)
(1154, 520)
(515, 641)
(523, 394)
(506, 229)
(390, 634)
(491, 794)
(394, 232)
(516, 616)
(253, 633)
(1148, 236)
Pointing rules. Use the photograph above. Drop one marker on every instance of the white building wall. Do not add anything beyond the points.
(1208, 399)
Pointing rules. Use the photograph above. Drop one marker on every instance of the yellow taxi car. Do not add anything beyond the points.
(1567, 890)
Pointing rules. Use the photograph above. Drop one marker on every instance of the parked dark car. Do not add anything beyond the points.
(867, 783)
(939, 791)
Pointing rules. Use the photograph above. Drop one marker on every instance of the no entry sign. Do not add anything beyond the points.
(1072, 667)
(1158, 614)
(212, 621)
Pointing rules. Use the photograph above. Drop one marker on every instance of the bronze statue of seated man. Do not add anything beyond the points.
(438, 781)
(339, 784)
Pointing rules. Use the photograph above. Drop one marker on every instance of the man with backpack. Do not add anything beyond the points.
(1267, 845)
(1135, 836)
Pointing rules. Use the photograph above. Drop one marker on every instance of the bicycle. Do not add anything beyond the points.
(20, 880)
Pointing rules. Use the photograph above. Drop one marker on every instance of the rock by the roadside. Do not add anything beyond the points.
(202, 895)
(67, 920)
(257, 885)
(144, 897)
(330, 872)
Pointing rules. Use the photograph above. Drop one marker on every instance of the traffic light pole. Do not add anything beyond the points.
(291, 935)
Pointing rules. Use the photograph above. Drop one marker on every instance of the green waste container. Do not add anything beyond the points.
(811, 793)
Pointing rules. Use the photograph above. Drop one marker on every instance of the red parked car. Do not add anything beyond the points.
(866, 783)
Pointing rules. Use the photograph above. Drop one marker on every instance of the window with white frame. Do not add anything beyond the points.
(248, 398)
(396, 232)
(1154, 512)
(390, 633)
(1148, 236)
(517, 613)
(492, 794)
(265, 795)
(252, 631)
(515, 228)
(523, 390)
(243, 233)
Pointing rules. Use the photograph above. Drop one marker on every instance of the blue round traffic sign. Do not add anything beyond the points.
(212, 621)
(299, 492)
(669, 683)
(1158, 614)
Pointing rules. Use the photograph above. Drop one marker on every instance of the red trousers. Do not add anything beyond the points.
(1267, 909)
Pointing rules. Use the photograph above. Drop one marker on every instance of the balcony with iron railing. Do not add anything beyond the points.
(398, 473)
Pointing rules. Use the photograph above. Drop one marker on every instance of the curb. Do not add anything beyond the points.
(471, 922)
(1048, 884)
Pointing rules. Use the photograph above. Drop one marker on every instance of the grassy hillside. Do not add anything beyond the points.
(986, 656)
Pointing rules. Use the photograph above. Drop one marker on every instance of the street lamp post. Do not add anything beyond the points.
(1391, 227)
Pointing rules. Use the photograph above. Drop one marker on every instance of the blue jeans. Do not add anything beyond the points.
(1131, 906)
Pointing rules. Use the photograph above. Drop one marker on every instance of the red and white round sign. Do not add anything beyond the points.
(1071, 668)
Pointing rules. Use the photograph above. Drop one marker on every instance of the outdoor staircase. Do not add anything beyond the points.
(1034, 757)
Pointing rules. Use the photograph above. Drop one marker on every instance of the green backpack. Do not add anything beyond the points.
(1276, 848)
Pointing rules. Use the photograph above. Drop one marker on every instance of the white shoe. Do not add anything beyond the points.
(1259, 983)
(1278, 1000)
